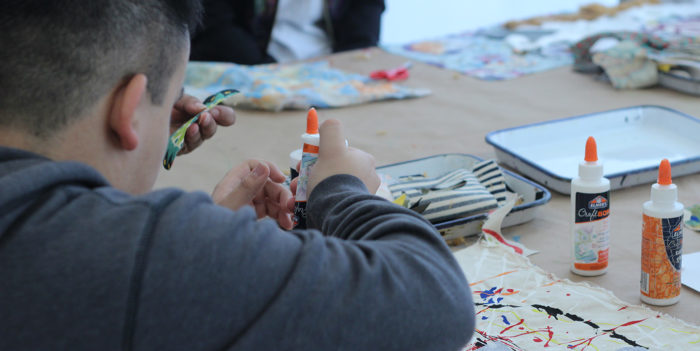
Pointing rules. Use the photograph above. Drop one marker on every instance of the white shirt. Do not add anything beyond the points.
(294, 36)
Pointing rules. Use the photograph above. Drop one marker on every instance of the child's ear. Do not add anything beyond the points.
(123, 111)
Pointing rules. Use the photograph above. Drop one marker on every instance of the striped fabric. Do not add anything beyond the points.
(458, 193)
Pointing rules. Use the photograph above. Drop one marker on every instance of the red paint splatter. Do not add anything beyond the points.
(547, 330)
(500, 238)
(514, 325)
(589, 340)
(629, 323)
(568, 294)
(536, 339)
(622, 308)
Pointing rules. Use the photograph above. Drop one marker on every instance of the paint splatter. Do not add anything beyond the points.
(505, 320)
(551, 311)
(615, 335)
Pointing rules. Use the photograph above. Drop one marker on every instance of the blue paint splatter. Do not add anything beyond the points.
(486, 293)
(484, 317)
(499, 299)
(505, 320)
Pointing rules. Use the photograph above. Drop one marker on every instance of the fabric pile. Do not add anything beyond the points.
(455, 194)
(519, 48)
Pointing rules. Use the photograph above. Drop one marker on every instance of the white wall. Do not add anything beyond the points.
(409, 20)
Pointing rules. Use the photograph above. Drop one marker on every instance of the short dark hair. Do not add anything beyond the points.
(57, 57)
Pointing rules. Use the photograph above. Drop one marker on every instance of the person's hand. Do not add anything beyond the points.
(258, 184)
(205, 127)
(335, 157)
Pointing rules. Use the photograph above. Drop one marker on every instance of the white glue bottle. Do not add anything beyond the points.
(311, 140)
(590, 211)
(662, 240)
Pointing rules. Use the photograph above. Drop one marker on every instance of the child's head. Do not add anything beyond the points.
(63, 60)
(60, 56)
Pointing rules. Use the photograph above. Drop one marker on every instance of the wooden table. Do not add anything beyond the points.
(455, 118)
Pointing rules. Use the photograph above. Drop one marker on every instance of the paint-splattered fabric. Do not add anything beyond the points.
(294, 86)
(499, 54)
(521, 307)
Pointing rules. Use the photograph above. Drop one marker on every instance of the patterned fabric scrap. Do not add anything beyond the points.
(634, 61)
(290, 86)
(455, 194)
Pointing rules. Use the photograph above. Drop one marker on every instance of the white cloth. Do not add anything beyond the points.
(294, 35)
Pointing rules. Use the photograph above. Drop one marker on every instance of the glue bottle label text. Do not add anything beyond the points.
(662, 240)
(591, 231)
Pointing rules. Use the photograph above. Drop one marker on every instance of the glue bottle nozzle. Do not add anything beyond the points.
(664, 173)
(312, 122)
(591, 150)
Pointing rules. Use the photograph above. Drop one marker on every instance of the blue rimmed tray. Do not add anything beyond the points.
(631, 143)
(533, 195)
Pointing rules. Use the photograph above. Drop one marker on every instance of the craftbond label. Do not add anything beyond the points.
(591, 231)
(662, 240)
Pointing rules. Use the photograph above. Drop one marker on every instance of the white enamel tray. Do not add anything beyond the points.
(533, 195)
(631, 143)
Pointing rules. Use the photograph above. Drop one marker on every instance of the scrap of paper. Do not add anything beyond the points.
(690, 270)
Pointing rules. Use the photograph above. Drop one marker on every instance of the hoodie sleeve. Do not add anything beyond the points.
(380, 278)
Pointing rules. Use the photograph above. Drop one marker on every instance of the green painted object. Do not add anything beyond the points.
(178, 138)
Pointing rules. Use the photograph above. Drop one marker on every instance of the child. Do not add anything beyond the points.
(91, 258)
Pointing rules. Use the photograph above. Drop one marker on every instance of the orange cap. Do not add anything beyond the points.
(591, 150)
(312, 122)
(664, 173)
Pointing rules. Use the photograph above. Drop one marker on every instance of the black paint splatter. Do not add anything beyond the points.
(615, 335)
(551, 311)
(494, 305)
(576, 318)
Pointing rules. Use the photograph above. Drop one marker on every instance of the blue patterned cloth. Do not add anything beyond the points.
(290, 86)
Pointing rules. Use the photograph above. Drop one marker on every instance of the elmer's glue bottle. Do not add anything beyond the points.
(662, 240)
(590, 206)
(309, 156)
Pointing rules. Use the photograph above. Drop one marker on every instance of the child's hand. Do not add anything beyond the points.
(187, 107)
(258, 184)
(335, 157)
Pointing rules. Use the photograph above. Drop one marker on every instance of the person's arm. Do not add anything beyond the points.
(224, 37)
(358, 26)
(376, 276)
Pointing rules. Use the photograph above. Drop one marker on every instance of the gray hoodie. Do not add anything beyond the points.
(84, 266)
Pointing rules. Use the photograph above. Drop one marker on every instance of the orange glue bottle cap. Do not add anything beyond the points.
(664, 173)
(311, 138)
(312, 122)
(590, 169)
(664, 191)
(591, 150)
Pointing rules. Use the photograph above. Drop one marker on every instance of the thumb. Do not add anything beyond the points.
(251, 185)
(332, 138)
